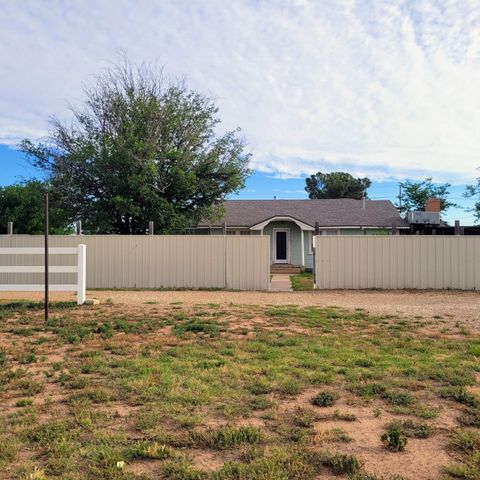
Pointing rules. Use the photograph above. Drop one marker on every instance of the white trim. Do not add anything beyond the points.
(287, 231)
(261, 225)
(303, 246)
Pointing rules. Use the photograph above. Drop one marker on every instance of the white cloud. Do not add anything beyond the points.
(388, 89)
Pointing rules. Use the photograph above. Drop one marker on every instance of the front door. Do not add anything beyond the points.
(281, 246)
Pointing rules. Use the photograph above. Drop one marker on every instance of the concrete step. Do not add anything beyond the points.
(285, 269)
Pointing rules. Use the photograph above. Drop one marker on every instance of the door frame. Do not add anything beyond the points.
(287, 231)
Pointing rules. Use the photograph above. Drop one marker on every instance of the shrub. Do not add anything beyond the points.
(394, 439)
(324, 399)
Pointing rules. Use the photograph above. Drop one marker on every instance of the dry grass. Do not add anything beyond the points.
(224, 391)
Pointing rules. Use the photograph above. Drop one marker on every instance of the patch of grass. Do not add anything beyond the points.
(397, 398)
(344, 416)
(465, 440)
(470, 418)
(304, 417)
(290, 387)
(394, 439)
(325, 399)
(412, 429)
(143, 449)
(24, 402)
(460, 395)
(227, 437)
(30, 387)
(302, 282)
(8, 450)
(197, 326)
(337, 435)
(342, 464)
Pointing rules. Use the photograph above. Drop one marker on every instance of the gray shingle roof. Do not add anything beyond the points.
(328, 213)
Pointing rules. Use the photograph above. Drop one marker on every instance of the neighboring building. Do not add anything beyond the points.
(291, 223)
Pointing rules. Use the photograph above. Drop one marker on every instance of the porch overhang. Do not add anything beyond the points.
(302, 225)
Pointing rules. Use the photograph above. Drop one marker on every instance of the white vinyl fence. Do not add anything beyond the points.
(154, 261)
(397, 262)
(10, 253)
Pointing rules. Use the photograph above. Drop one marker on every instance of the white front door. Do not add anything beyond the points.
(281, 245)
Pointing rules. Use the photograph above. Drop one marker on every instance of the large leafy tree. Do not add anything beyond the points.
(473, 191)
(23, 204)
(336, 185)
(415, 194)
(141, 149)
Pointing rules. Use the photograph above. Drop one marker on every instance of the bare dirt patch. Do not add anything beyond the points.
(450, 306)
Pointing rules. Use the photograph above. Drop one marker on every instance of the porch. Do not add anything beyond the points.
(290, 244)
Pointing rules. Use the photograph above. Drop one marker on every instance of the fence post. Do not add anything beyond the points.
(457, 227)
(78, 227)
(82, 274)
(10, 228)
(151, 227)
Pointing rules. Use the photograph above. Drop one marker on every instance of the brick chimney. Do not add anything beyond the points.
(432, 205)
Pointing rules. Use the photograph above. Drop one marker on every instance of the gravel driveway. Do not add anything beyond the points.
(455, 305)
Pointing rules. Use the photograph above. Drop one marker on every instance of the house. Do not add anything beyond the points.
(292, 223)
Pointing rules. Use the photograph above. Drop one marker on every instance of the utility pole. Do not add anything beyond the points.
(399, 195)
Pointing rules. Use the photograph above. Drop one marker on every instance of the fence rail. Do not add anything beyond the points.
(79, 269)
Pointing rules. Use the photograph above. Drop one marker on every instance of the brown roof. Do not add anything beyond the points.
(328, 213)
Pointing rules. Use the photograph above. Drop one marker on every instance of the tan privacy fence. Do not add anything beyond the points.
(391, 262)
(157, 261)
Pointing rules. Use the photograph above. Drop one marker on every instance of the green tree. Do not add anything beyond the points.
(23, 204)
(336, 185)
(473, 191)
(141, 149)
(415, 194)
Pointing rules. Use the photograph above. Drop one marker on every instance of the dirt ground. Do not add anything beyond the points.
(460, 306)
(424, 459)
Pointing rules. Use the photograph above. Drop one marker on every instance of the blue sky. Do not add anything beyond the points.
(387, 89)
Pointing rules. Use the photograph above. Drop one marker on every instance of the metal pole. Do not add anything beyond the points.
(10, 228)
(46, 257)
(151, 228)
